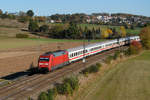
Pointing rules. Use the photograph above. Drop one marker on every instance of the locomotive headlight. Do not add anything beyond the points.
(46, 63)
(40, 63)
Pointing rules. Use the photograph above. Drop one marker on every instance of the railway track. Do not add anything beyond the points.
(27, 86)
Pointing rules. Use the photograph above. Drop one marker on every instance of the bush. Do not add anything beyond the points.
(135, 47)
(91, 69)
(126, 52)
(55, 91)
(108, 59)
(51, 94)
(22, 36)
(64, 89)
(98, 65)
(43, 96)
(73, 81)
(116, 55)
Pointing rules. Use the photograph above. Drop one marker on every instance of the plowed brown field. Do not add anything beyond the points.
(20, 59)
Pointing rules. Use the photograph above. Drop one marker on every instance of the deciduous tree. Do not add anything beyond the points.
(33, 26)
(44, 28)
(145, 37)
(135, 47)
(104, 34)
(1, 12)
(30, 13)
(122, 31)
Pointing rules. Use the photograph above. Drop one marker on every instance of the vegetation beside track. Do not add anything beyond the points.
(128, 80)
(68, 86)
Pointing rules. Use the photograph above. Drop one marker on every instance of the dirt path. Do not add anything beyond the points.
(127, 81)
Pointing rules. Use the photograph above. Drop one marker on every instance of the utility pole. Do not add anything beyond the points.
(118, 39)
(83, 48)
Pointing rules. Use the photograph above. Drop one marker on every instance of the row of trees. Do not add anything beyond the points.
(21, 16)
(74, 31)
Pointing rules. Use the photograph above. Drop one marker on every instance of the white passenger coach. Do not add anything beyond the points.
(91, 49)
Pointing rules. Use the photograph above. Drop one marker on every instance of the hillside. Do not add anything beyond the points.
(9, 28)
(128, 80)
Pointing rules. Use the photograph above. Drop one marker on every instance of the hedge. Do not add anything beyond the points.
(22, 36)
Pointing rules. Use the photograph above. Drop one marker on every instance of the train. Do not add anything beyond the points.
(50, 61)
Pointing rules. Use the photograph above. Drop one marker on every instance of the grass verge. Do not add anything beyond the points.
(127, 80)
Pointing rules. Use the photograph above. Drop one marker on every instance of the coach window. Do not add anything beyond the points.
(73, 54)
(76, 53)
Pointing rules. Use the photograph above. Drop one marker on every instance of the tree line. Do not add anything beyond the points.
(75, 31)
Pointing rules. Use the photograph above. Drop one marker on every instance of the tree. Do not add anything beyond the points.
(93, 33)
(33, 26)
(122, 31)
(44, 28)
(104, 34)
(145, 37)
(110, 33)
(80, 31)
(1, 12)
(98, 33)
(89, 35)
(135, 47)
(132, 27)
(57, 31)
(30, 13)
(73, 31)
(126, 26)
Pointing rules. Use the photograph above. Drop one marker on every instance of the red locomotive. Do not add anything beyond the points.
(53, 60)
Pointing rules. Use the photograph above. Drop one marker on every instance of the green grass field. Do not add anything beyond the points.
(6, 43)
(129, 80)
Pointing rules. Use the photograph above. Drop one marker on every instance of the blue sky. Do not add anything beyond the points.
(48, 7)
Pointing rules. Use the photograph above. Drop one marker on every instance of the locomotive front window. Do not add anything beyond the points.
(44, 59)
